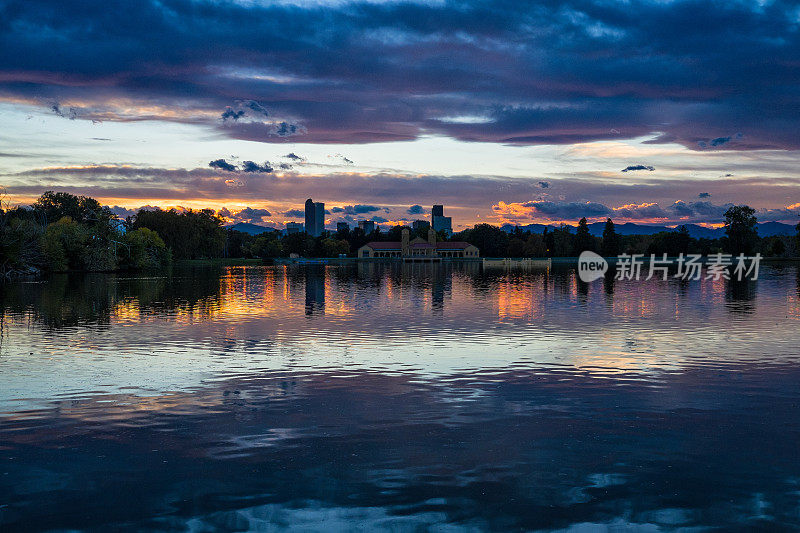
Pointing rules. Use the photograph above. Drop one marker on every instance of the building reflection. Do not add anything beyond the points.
(315, 276)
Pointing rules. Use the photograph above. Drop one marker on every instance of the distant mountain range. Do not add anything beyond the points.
(250, 229)
(765, 229)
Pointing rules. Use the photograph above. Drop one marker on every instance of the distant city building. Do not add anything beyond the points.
(315, 217)
(342, 227)
(319, 217)
(367, 226)
(420, 226)
(418, 249)
(441, 222)
(293, 227)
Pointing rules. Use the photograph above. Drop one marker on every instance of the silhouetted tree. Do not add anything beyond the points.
(610, 244)
(190, 234)
(740, 230)
(53, 206)
(490, 240)
(583, 239)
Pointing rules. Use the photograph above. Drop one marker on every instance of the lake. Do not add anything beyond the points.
(398, 397)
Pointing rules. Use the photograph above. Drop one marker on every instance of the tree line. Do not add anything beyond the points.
(61, 231)
(741, 236)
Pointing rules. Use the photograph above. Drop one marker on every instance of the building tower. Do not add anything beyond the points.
(319, 218)
(439, 222)
(311, 224)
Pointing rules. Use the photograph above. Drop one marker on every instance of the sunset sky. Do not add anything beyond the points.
(504, 111)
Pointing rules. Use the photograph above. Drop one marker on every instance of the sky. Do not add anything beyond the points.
(661, 112)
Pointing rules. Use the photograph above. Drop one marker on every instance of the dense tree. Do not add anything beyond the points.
(741, 236)
(144, 249)
(334, 247)
(490, 240)
(268, 246)
(610, 245)
(562, 241)
(672, 243)
(53, 206)
(583, 239)
(190, 234)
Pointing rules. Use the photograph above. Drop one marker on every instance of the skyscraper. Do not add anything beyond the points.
(319, 218)
(439, 221)
(311, 224)
(315, 217)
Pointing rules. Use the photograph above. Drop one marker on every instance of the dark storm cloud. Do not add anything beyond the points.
(704, 195)
(248, 214)
(231, 114)
(250, 166)
(221, 164)
(357, 209)
(295, 213)
(546, 72)
(415, 210)
(638, 167)
(544, 184)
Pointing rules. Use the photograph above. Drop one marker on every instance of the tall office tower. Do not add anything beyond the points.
(441, 222)
(319, 218)
(311, 224)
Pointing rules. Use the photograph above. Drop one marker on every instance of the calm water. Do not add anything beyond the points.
(417, 398)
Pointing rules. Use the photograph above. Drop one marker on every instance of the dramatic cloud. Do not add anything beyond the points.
(222, 165)
(415, 210)
(678, 212)
(248, 214)
(719, 141)
(346, 72)
(295, 213)
(704, 195)
(231, 114)
(250, 166)
(544, 184)
(467, 198)
(356, 209)
(638, 167)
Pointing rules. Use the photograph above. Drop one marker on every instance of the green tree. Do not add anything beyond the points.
(63, 244)
(190, 234)
(144, 249)
(583, 239)
(490, 240)
(563, 241)
(53, 206)
(535, 246)
(741, 235)
(610, 245)
(334, 247)
(299, 243)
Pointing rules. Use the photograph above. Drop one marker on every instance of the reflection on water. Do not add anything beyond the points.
(398, 397)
